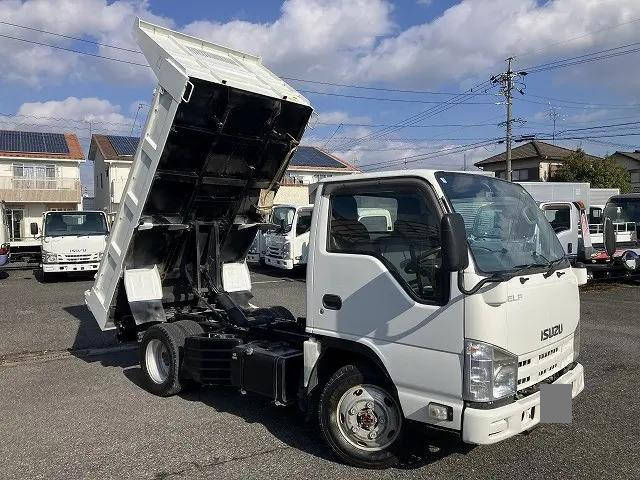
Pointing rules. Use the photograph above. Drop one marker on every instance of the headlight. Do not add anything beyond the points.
(286, 248)
(490, 372)
(576, 342)
(49, 257)
(100, 255)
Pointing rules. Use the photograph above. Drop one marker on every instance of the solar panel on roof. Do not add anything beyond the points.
(312, 157)
(123, 145)
(32, 142)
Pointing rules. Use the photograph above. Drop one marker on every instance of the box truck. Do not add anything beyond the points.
(452, 320)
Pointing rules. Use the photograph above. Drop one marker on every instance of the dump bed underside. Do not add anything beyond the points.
(203, 178)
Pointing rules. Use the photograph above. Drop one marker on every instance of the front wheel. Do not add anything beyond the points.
(361, 418)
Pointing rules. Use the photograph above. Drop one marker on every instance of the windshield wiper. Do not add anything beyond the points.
(553, 266)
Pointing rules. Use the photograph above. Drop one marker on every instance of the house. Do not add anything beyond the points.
(533, 161)
(631, 162)
(310, 164)
(38, 172)
(112, 156)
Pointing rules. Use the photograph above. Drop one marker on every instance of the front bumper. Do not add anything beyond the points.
(285, 263)
(484, 427)
(70, 267)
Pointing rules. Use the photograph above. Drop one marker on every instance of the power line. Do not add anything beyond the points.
(71, 37)
(74, 51)
(587, 34)
(430, 112)
(379, 89)
(384, 99)
(619, 105)
(426, 156)
(435, 125)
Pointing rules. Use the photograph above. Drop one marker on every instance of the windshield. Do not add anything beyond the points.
(283, 214)
(506, 229)
(59, 224)
(621, 210)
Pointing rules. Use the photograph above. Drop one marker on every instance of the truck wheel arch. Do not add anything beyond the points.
(337, 353)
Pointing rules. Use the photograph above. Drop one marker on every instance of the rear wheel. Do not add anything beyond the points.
(361, 418)
(160, 359)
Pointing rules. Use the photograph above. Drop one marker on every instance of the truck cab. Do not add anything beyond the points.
(72, 241)
(287, 245)
(452, 313)
(570, 223)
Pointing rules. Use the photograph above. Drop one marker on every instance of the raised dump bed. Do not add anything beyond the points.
(217, 140)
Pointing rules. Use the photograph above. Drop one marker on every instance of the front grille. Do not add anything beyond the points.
(79, 258)
(536, 366)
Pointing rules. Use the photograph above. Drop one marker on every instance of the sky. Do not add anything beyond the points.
(409, 58)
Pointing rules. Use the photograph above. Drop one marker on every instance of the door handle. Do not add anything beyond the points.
(332, 302)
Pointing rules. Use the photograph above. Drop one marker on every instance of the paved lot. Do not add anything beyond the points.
(77, 416)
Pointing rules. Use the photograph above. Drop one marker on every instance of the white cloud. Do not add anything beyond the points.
(316, 38)
(474, 36)
(95, 20)
(339, 116)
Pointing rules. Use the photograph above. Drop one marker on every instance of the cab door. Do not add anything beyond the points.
(563, 217)
(386, 290)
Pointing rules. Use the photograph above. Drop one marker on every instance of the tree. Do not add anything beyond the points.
(600, 173)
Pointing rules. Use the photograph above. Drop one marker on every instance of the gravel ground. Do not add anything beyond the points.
(69, 415)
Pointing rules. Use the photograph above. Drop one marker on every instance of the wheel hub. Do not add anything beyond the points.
(368, 417)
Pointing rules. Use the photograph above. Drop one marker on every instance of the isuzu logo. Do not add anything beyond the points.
(75, 250)
(550, 332)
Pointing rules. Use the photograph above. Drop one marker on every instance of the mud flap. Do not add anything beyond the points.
(144, 294)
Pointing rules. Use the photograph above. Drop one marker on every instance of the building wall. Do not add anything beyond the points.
(100, 183)
(633, 167)
(307, 177)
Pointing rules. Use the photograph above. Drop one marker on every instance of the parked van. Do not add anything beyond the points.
(5, 249)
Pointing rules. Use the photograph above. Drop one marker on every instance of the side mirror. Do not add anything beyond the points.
(609, 237)
(283, 225)
(34, 228)
(453, 238)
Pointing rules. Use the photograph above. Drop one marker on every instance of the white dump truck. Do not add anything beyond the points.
(71, 241)
(451, 319)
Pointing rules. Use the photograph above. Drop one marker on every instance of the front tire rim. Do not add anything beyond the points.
(157, 361)
(368, 417)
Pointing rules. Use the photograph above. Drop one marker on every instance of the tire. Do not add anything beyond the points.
(189, 328)
(355, 404)
(160, 355)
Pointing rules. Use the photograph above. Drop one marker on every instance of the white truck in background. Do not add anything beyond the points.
(565, 205)
(622, 213)
(287, 246)
(71, 241)
(440, 320)
(598, 200)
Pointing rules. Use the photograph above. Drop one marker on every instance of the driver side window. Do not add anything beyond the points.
(409, 246)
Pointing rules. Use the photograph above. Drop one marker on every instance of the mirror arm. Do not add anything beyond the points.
(478, 286)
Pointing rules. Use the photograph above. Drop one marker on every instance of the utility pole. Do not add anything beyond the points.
(507, 84)
(464, 156)
(554, 115)
(508, 90)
